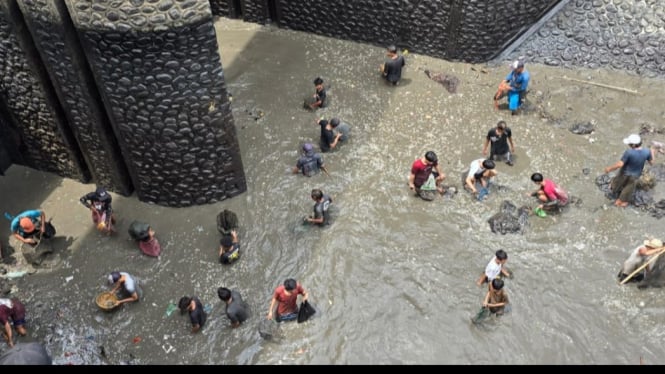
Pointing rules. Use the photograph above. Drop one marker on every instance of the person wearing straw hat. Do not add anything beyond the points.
(631, 166)
(639, 257)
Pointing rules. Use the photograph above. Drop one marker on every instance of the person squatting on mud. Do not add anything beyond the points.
(638, 257)
(285, 297)
(548, 193)
(422, 169)
(500, 137)
(481, 171)
(14, 310)
(631, 166)
(126, 285)
(515, 86)
(30, 226)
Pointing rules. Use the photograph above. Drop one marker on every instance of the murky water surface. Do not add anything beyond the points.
(394, 276)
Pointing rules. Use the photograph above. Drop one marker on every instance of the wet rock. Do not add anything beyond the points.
(450, 82)
(510, 219)
(582, 128)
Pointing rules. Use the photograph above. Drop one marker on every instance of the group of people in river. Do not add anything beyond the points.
(426, 179)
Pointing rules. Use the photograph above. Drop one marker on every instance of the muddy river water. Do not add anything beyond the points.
(394, 276)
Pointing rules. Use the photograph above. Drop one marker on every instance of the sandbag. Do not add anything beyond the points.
(305, 311)
(139, 230)
(226, 222)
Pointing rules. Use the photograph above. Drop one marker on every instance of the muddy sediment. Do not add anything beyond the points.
(394, 276)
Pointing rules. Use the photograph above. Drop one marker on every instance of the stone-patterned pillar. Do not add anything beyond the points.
(221, 8)
(255, 11)
(45, 141)
(58, 45)
(157, 66)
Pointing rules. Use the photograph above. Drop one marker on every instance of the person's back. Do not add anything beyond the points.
(310, 163)
(237, 310)
(634, 160)
(341, 127)
(555, 192)
(321, 209)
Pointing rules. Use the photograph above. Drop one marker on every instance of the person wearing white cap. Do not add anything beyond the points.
(631, 166)
(514, 86)
(639, 257)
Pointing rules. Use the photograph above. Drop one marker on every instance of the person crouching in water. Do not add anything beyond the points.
(229, 248)
(496, 298)
(321, 216)
(639, 257)
(549, 193)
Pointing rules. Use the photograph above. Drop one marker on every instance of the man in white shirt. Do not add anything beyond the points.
(494, 269)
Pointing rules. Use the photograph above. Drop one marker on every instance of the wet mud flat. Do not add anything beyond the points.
(383, 240)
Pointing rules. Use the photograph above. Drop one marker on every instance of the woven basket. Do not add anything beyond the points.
(106, 300)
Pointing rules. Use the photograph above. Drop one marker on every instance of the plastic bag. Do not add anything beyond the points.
(306, 311)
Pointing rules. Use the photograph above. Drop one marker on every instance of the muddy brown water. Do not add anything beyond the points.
(394, 276)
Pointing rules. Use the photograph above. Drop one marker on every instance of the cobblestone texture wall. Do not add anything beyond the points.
(626, 35)
(468, 30)
(157, 65)
(255, 11)
(58, 45)
(46, 143)
(221, 8)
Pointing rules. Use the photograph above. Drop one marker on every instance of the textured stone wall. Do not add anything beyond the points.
(58, 45)
(627, 35)
(255, 11)
(157, 65)
(30, 104)
(468, 30)
(221, 8)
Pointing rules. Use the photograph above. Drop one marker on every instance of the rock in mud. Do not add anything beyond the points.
(510, 219)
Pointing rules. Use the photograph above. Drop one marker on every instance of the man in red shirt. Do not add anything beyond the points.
(286, 298)
(12, 310)
(422, 168)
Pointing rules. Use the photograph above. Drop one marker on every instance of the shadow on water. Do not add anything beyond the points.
(394, 276)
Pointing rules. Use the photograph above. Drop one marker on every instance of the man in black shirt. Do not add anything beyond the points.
(319, 100)
(99, 201)
(500, 137)
(236, 309)
(391, 70)
(197, 315)
(328, 138)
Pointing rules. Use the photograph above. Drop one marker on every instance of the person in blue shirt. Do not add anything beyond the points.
(514, 86)
(631, 165)
(30, 226)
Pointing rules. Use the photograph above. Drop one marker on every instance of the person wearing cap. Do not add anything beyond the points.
(328, 139)
(514, 86)
(99, 201)
(422, 169)
(341, 127)
(126, 285)
(319, 97)
(322, 203)
(481, 171)
(548, 193)
(229, 248)
(309, 162)
(30, 226)
(391, 69)
(500, 137)
(631, 164)
(285, 297)
(639, 257)
(12, 310)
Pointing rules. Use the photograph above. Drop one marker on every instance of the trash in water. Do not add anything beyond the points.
(16, 274)
(137, 339)
(482, 193)
(67, 279)
(207, 308)
(170, 309)
(540, 212)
